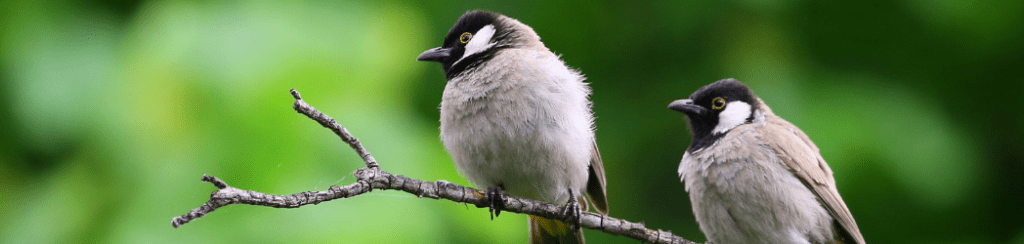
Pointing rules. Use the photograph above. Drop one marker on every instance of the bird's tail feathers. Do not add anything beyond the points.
(550, 231)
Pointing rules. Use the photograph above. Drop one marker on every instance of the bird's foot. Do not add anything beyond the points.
(497, 202)
(572, 212)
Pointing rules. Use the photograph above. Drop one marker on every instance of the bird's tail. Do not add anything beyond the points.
(550, 231)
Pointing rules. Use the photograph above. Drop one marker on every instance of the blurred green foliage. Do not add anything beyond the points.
(112, 110)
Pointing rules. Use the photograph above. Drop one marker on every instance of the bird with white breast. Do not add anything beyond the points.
(753, 177)
(516, 119)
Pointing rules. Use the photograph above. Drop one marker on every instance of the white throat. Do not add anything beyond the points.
(735, 114)
(479, 43)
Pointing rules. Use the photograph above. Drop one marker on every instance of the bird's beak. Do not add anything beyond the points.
(435, 54)
(686, 106)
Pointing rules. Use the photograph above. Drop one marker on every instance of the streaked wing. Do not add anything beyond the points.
(596, 184)
(805, 161)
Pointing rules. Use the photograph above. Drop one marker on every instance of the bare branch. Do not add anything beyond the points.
(369, 179)
(372, 177)
(304, 108)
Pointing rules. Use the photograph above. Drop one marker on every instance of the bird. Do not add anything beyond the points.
(754, 177)
(517, 120)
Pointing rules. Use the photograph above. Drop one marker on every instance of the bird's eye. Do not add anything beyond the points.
(718, 103)
(465, 37)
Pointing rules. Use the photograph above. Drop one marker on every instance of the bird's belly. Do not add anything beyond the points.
(530, 158)
(743, 201)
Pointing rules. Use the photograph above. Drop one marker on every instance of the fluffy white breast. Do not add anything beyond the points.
(735, 114)
(523, 121)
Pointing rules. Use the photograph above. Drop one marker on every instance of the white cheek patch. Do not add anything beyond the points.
(735, 114)
(480, 41)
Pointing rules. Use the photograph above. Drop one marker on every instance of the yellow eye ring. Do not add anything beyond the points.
(718, 103)
(465, 37)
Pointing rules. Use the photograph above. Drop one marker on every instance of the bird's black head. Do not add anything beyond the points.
(715, 109)
(476, 36)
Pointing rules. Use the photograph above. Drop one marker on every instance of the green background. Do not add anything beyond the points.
(111, 111)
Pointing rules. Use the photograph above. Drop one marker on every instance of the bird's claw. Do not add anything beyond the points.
(497, 202)
(572, 212)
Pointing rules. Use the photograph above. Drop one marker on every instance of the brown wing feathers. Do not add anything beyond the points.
(596, 183)
(805, 161)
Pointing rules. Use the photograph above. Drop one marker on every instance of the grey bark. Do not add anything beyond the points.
(372, 177)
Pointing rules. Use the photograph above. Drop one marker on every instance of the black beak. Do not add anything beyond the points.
(435, 54)
(686, 106)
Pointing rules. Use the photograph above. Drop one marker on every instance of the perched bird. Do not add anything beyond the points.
(755, 178)
(516, 119)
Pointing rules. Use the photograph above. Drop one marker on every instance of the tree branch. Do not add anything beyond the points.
(304, 108)
(372, 177)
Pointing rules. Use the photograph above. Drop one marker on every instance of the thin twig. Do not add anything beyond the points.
(372, 177)
(304, 108)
